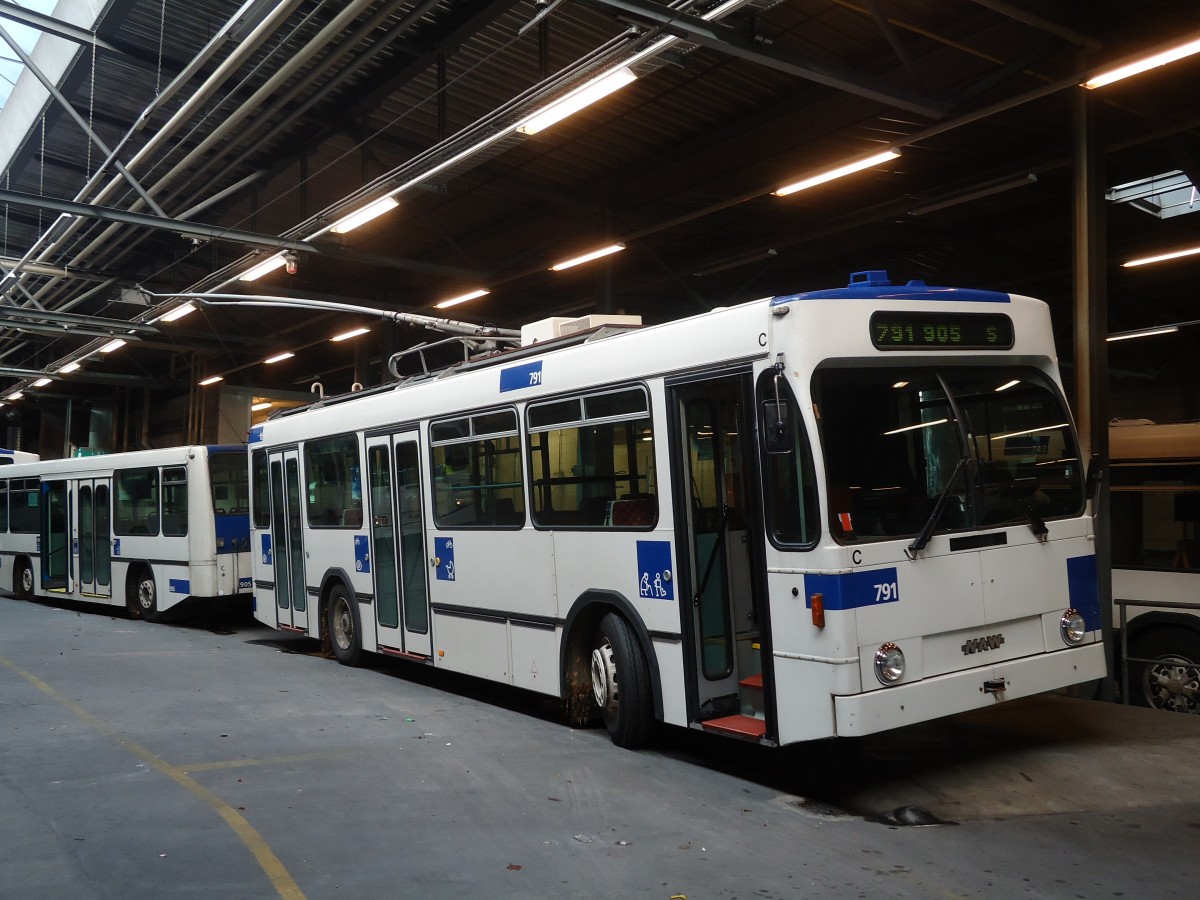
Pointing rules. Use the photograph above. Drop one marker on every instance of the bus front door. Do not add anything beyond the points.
(55, 536)
(398, 544)
(713, 432)
(287, 533)
(93, 537)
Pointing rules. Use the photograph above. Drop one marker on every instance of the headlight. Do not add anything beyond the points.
(889, 663)
(1072, 626)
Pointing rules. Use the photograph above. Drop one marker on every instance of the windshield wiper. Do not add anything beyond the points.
(926, 532)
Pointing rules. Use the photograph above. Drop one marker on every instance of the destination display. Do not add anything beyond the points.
(899, 330)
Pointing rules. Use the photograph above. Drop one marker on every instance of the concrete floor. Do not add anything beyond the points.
(225, 760)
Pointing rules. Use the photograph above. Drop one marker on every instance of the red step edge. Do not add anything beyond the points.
(402, 654)
(752, 681)
(737, 726)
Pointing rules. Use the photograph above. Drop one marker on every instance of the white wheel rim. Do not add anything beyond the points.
(604, 676)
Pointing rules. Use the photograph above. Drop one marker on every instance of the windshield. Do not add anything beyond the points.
(893, 443)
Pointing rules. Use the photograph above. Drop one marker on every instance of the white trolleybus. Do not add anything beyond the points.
(9, 457)
(830, 513)
(1155, 487)
(147, 530)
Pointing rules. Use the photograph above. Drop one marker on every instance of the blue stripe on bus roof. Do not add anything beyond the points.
(874, 285)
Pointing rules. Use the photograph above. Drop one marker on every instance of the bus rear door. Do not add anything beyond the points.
(291, 594)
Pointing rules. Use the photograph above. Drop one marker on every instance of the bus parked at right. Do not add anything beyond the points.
(1156, 559)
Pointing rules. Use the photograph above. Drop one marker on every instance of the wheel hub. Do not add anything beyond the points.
(146, 595)
(343, 626)
(604, 676)
(1175, 685)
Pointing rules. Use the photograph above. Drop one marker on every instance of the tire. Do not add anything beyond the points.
(621, 683)
(142, 597)
(345, 634)
(23, 580)
(1172, 681)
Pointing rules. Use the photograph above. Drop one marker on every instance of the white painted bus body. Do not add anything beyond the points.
(205, 562)
(504, 612)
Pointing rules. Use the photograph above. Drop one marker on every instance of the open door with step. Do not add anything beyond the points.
(715, 516)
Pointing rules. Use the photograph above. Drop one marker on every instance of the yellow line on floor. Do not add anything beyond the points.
(265, 761)
(270, 863)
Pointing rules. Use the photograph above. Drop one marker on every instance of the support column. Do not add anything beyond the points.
(1091, 326)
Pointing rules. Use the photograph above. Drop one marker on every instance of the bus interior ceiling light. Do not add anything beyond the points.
(1142, 332)
(346, 335)
(918, 425)
(270, 264)
(1161, 257)
(454, 301)
(583, 96)
(211, 379)
(588, 257)
(840, 171)
(278, 357)
(1153, 61)
(1008, 384)
(114, 344)
(364, 215)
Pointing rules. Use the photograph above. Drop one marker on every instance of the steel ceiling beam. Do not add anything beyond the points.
(727, 40)
(56, 27)
(162, 223)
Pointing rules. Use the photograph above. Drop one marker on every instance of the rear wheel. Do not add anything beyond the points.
(621, 683)
(1171, 681)
(344, 627)
(23, 580)
(142, 597)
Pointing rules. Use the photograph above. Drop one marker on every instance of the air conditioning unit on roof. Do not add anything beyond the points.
(561, 326)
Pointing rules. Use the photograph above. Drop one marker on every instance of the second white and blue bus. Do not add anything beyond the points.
(147, 530)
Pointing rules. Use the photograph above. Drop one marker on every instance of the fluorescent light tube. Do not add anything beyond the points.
(178, 313)
(114, 344)
(279, 357)
(584, 95)
(69, 368)
(1174, 254)
(454, 301)
(212, 379)
(15, 395)
(364, 215)
(270, 264)
(1141, 65)
(588, 257)
(915, 427)
(41, 382)
(839, 172)
(1007, 385)
(259, 407)
(1145, 332)
(345, 336)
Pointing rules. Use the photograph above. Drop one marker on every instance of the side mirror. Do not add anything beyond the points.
(777, 427)
(1094, 479)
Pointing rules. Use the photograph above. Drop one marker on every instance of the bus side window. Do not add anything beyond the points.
(591, 460)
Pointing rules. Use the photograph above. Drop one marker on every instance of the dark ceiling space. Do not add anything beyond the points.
(252, 127)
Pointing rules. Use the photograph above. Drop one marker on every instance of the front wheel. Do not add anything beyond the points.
(1171, 681)
(23, 581)
(142, 598)
(621, 683)
(344, 627)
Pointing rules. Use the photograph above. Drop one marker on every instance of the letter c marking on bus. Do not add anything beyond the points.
(762, 339)
(856, 556)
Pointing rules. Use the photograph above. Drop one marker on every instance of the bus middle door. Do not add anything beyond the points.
(93, 537)
(287, 533)
(398, 544)
(56, 535)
